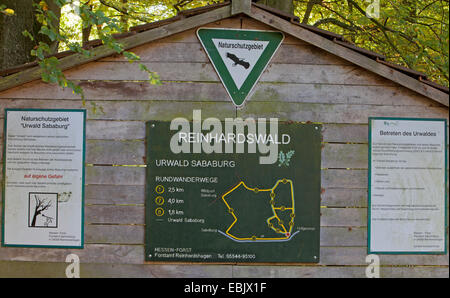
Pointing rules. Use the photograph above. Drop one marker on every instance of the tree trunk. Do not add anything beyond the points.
(33, 222)
(14, 46)
(284, 5)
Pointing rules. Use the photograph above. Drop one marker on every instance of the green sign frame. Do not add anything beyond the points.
(83, 175)
(239, 94)
(200, 209)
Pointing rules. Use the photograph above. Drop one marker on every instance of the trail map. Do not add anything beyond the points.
(221, 207)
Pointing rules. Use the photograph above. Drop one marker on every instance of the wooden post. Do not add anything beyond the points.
(241, 6)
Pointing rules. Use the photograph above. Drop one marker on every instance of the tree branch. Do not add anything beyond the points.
(122, 11)
(309, 8)
(337, 23)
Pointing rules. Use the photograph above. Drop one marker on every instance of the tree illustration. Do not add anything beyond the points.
(40, 206)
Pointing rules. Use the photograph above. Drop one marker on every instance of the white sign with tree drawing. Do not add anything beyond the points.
(44, 178)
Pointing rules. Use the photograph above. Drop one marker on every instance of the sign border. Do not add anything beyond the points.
(148, 209)
(83, 176)
(444, 252)
(246, 85)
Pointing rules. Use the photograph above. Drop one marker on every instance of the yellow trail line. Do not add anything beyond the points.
(256, 190)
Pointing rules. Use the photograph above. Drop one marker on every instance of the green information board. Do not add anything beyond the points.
(227, 204)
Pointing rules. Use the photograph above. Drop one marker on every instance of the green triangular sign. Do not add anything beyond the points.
(239, 56)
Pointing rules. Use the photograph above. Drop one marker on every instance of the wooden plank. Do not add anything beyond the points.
(321, 74)
(134, 254)
(204, 72)
(345, 156)
(343, 217)
(114, 234)
(332, 113)
(55, 104)
(285, 93)
(345, 133)
(130, 110)
(88, 270)
(91, 253)
(114, 194)
(214, 91)
(115, 175)
(118, 214)
(115, 130)
(342, 197)
(159, 110)
(159, 51)
(344, 256)
(336, 94)
(341, 237)
(124, 71)
(351, 56)
(348, 179)
(333, 272)
(115, 152)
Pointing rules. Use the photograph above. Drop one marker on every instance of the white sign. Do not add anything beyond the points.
(44, 178)
(239, 57)
(407, 186)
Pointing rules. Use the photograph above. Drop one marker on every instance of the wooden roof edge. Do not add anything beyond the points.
(435, 85)
(411, 72)
(363, 51)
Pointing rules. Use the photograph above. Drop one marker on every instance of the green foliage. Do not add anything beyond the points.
(412, 33)
(82, 20)
(6, 11)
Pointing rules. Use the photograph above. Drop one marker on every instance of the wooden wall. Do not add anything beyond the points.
(302, 83)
